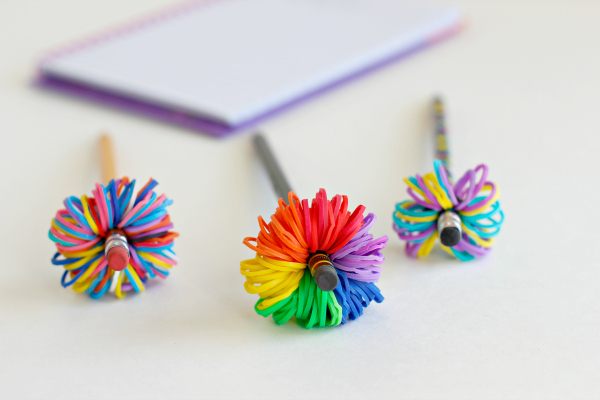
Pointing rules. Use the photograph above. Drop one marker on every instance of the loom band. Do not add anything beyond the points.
(268, 301)
(164, 237)
(361, 274)
(75, 209)
(368, 223)
(151, 184)
(80, 287)
(134, 279)
(136, 211)
(304, 214)
(141, 263)
(374, 245)
(72, 281)
(286, 238)
(55, 236)
(355, 221)
(351, 246)
(342, 241)
(361, 262)
(162, 230)
(261, 284)
(66, 261)
(479, 199)
(156, 217)
(159, 257)
(125, 197)
(118, 292)
(419, 237)
(313, 222)
(361, 296)
(305, 296)
(153, 259)
(284, 314)
(101, 266)
(493, 209)
(468, 245)
(280, 247)
(413, 226)
(416, 184)
(164, 223)
(466, 194)
(461, 255)
(135, 190)
(482, 180)
(267, 252)
(103, 212)
(483, 230)
(424, 204)
(281, 285)
(71, 229)
(154, 238)
(266, 311)
(114, 204)
(83, 262)
(412, 249)
(442, 177)
(78, 254)
(68, 239)
(334, 231)
(160, 273)
(99, 294)
(296, 222)
(335, 309)
(375, 291)
(427, 245)
(408, 208)
(280, 265)
(88, 215)
(485, 243)
(410, 218)
(157, 203)
(75, 249)
(298, 231)
(149, 220)
(432, 184)
(97, 281)
(89, 269)
(427, 193)
(483, 204)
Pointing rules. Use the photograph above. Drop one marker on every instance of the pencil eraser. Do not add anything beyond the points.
(450, 236)
(118, 258)
(326, 278)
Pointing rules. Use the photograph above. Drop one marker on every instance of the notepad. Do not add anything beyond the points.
(224, 65)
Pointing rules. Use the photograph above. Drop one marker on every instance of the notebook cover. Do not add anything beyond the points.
(188, 120)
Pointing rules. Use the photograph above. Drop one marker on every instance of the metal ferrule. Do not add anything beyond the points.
(449, 220)
(115, 239)
(323, 271)
(318, 260)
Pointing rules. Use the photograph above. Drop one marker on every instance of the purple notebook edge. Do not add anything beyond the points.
(205, 125)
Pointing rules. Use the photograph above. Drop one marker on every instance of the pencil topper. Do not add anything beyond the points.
(115, 240)
(315, 261)
(465, 216)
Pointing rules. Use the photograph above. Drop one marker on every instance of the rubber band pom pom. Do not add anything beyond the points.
(281, 271)
(140, 220)
(473, 198)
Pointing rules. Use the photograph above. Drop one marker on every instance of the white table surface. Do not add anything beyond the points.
(523, 91)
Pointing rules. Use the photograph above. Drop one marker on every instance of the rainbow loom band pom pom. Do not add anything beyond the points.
(140, 220)
(280, 273)
(474, 200)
